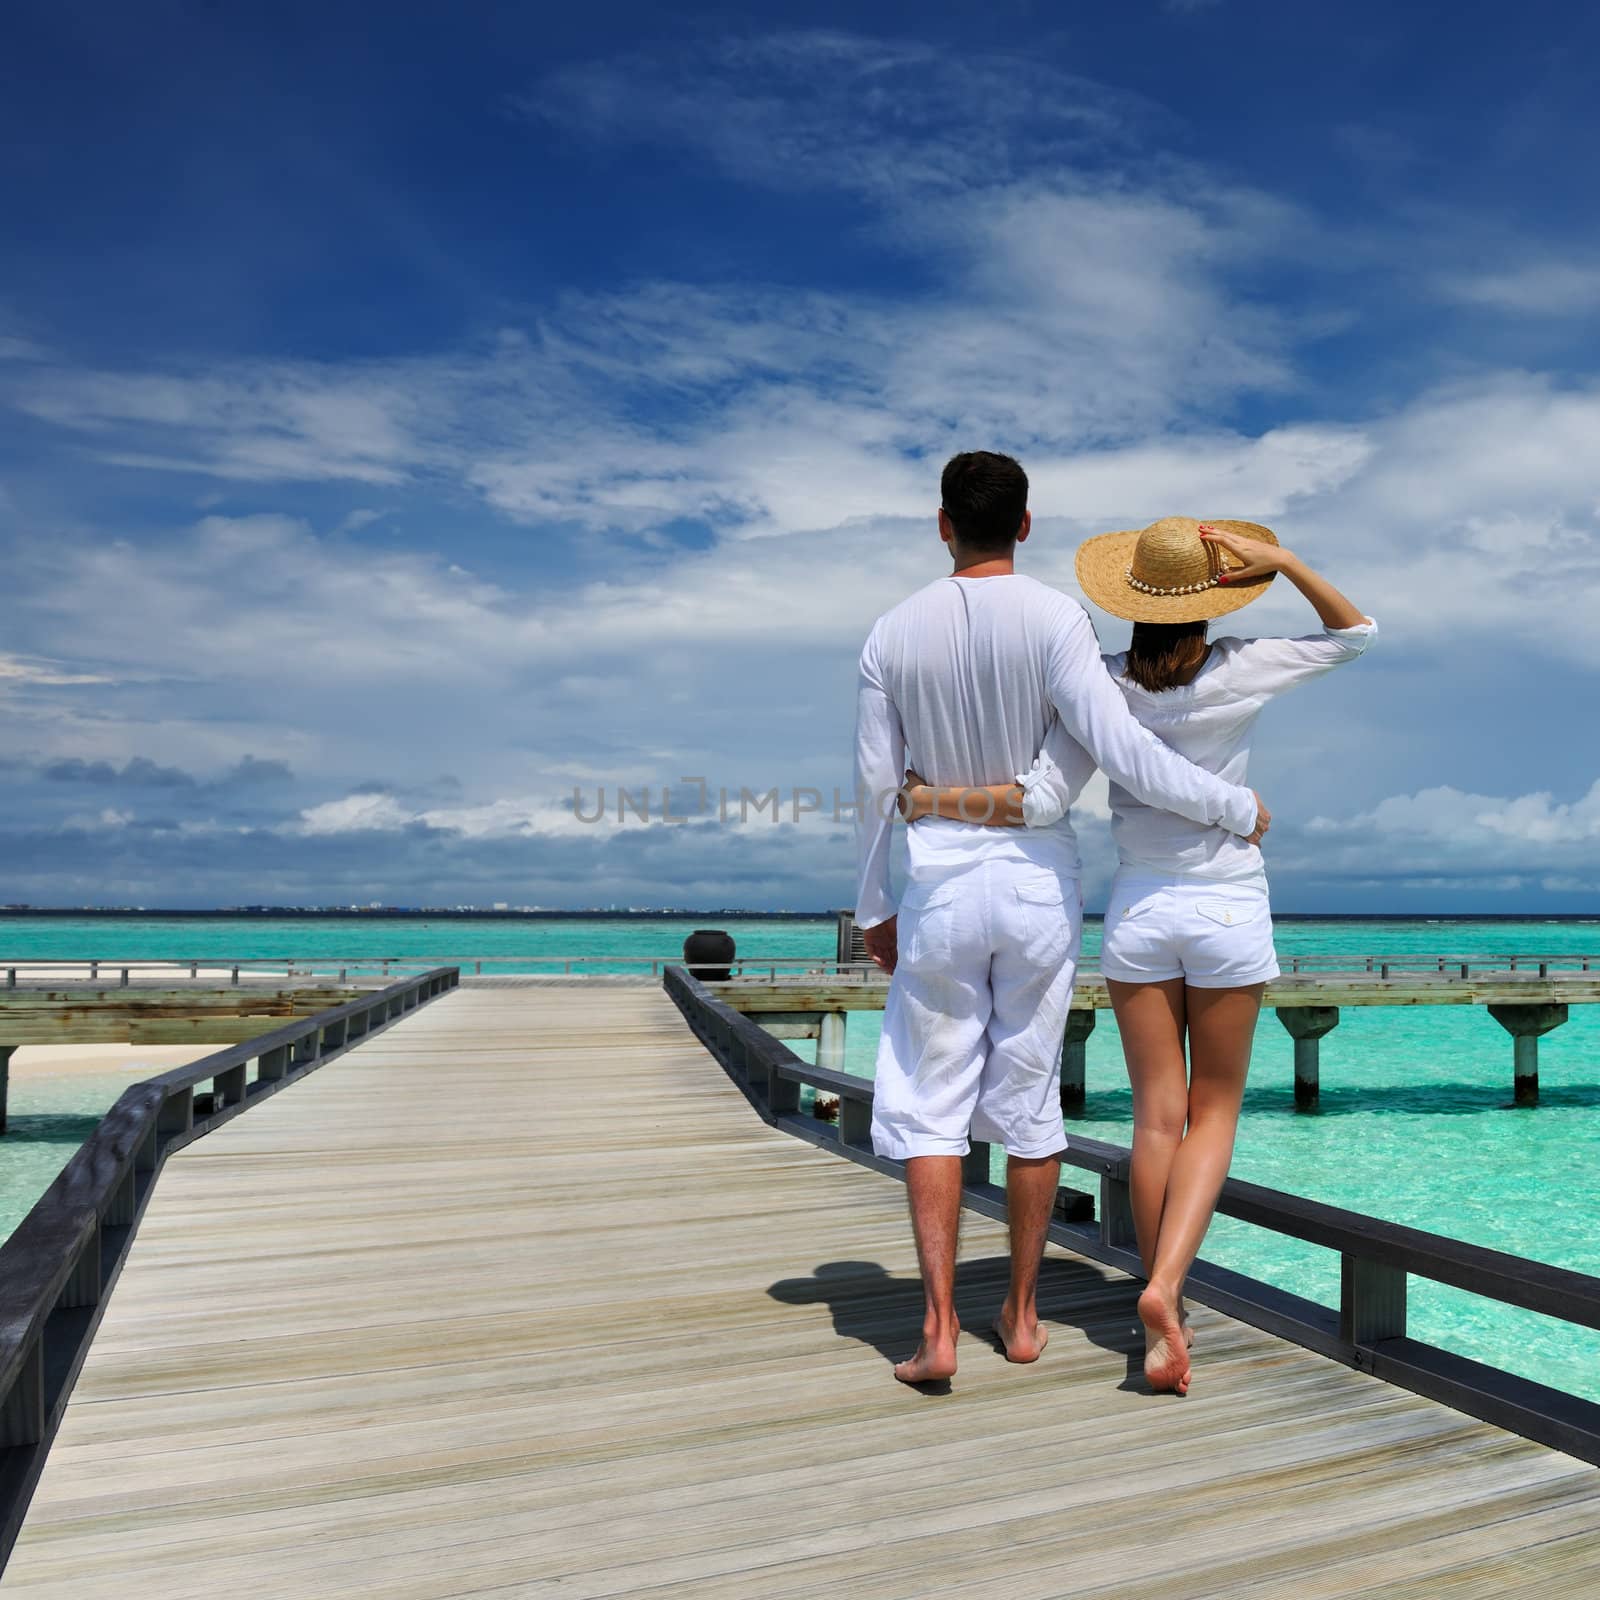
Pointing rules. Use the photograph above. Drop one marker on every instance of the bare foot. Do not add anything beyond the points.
(1021, 1344)
(1166, 1353)
(935, 1360)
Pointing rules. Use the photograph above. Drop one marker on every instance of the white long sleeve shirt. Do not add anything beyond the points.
(1210, 720)
(961, 681)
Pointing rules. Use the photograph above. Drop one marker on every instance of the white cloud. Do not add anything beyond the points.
(504, 818)
(17, 670)
(819, 109)
(1444, 835)
(1540, 289)
(255, 423)
(357, 813)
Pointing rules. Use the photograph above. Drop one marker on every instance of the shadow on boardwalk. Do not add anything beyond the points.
(885, 1312)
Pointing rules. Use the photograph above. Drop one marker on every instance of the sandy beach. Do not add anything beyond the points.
(135, 1061)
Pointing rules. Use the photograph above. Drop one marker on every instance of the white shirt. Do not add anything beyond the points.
(961, 681)
(1210, 720)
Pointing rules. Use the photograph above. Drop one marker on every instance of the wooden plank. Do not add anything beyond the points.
(23, 1002)
(584, 1326)
(211, 1029)
(179, 1016)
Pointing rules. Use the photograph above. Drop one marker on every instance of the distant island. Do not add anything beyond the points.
(379, 913)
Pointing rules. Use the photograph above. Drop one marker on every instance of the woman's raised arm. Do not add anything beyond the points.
(1332, 608)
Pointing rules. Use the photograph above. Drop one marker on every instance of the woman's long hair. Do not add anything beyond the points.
(1165, 654)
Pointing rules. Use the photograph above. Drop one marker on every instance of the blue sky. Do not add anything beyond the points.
(409, 413)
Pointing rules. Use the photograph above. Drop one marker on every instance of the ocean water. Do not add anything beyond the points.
(1416, 1123)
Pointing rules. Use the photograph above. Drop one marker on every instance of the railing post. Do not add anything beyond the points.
(1525, 1024)
(22, 1410)
(830, 1041)
(6, 1053)
(1306, 1025)
(83, 1287)
(855, 1123)
(273, 1064)
(177, 1113)
(124, 1200)
(228, 1087)
(783, 1094)
(1372, 1300)
(975, 1164)
(1116, 1213)
(1074, 1057)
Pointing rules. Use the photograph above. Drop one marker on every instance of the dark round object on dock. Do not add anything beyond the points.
(708, 953)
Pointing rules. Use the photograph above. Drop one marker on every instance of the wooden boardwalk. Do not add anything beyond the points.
(521, 1298)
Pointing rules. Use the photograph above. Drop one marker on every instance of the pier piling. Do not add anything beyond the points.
(6, 1052)
(1306, 1025)
(1074, 1054)
(830, 1041)
(1525, 1024)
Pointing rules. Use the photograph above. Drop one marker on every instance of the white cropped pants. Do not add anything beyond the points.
(972, 1029)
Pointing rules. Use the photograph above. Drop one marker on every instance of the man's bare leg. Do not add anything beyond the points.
(1031, 1184)
(934, 1186)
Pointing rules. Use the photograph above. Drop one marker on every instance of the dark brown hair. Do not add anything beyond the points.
(985, 495)
(1165, 654)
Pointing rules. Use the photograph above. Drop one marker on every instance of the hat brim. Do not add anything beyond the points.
(1102, 566)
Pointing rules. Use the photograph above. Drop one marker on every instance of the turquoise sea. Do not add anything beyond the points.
(1416, 1123)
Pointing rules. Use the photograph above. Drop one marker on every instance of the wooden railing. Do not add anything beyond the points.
(20, 971)
(60, 1264)
(1367, 1330)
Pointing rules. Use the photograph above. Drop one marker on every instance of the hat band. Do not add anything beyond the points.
(1184, 588)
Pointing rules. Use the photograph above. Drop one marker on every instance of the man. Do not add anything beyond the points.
(961, 681)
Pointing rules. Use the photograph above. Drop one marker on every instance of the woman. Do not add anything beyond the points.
(1188, 931)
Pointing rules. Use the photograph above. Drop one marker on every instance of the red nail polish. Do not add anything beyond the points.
(1222, 580)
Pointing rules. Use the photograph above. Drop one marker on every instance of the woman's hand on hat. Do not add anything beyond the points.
(1260, 559)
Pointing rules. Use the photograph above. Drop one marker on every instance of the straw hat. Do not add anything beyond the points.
(1167, 572)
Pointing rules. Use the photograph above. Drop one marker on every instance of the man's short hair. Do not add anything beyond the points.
(985, 495)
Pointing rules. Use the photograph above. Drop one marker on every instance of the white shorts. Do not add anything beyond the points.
(1211, 933)
(972, 1028)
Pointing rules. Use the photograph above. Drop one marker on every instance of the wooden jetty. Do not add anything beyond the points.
(1527, 1003)
(534, 1292)
(159, 1007)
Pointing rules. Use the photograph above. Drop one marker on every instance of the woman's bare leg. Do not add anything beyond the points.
(1222, 1026)
(1150, 1018)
